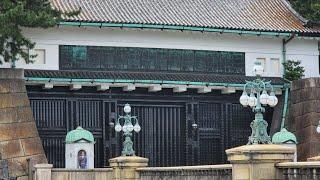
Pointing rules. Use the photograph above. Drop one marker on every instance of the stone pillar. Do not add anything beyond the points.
(42, 171)
(257, 162)
(19, 138)
(124, 167)
(304, 116)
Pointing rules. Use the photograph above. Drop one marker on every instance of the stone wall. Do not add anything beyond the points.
(19, 139)
(304, 116)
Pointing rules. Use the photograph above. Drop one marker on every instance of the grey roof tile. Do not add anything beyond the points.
(206, 78)
(264, 15)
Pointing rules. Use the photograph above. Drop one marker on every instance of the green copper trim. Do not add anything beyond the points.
(285, 107)
(284, 136)
(79, 134)
(68, 80)
(174, 27)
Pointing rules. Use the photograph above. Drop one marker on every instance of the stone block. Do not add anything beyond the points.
(303, 151)
(309, 94)
(307, 134)
(295, 96)
(10, 85)
(6, 101)
(17, 131)
(18, 86)
(296, 109)
(8, 115)
(309, 119)
(308, 149)
(37, 159)
(24, 114)
(309, 82)
(23, 178)
(20, 99)
(10, 149)
(17, 167)
(27, 130)
(296, 85)
(6, 73)
(14, 100)
(5, 85)
(32, 146)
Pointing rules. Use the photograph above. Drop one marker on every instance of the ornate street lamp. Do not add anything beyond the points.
(127, 129)
(257, 98)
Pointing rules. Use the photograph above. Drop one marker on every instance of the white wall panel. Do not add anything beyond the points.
(253, 46)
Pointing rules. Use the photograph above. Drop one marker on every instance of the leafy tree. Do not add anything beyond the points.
(309, 9)
(293, 70)
(16, 14)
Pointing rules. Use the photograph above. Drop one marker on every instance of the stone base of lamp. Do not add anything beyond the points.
(316, 158)
(257, 162)
(124, 167)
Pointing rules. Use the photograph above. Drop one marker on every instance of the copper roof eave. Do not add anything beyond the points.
(188, 28)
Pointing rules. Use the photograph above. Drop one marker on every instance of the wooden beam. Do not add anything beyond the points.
(155, 88)
(103, 87)
(179, 89)
(129, 87)
(47, 86)
(75, 87)
(228, 90)
(204, 89)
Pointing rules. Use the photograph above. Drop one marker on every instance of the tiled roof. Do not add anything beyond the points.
(207, 78)
(258, 15)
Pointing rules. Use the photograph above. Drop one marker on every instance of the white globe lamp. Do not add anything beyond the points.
(127, 108)
(252, 101)
(118, 127)
(130, 127)
(137, 128)
(264, 97)
(244, 99)
(273, 100)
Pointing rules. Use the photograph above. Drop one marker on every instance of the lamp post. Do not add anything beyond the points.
(257, 98)
(127, 129)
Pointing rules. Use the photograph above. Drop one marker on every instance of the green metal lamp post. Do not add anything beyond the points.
(127, 129)
(258, 98)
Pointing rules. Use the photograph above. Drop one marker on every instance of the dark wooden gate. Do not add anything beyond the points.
(167, 137)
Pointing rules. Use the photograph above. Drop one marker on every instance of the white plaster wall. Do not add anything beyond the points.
(253, 46)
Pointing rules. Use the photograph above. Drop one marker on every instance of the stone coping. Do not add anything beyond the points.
(128, 159)
(9, 73)
(313, 164)
(82, 170)
(188, 168)
(316, 158)
(261, 148)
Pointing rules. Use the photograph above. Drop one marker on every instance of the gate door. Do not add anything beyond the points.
(162, 137)
(55, 117)
(210, 132)
(51, 120)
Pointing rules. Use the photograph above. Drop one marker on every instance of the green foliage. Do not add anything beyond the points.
(15, 14)
(293, 70)
(309, 9)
